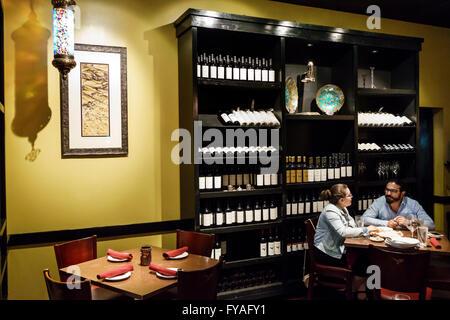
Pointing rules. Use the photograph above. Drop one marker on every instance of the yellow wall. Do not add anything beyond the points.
(51, 193)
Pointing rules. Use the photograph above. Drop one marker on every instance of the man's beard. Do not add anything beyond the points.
(390, 199)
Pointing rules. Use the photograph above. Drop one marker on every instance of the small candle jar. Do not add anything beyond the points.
(146, 255)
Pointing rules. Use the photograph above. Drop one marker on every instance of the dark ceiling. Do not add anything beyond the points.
(431, 12)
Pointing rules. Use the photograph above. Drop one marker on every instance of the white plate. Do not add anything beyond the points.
(116, 260)
(384, 228)
(120, 277)
(180, 256)
(167, 277)
(375, 239)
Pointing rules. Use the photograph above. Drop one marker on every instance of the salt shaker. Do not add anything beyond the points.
(146, 255)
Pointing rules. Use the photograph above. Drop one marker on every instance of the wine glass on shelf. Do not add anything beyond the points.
(395, 168)
(380, 172)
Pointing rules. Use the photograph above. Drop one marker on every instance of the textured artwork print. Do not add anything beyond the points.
(95, 108)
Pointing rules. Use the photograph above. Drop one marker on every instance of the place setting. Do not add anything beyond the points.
(176, 254)
(116, 256)
(117, 274)
(163, 272)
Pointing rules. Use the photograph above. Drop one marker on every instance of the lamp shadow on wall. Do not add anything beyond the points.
(162, 46)
(32, 112)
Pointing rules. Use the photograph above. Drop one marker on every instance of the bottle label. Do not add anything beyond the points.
(320, 206)
(207, 219)
(337, 173)
(289, 247)
(271, 249)
(271, 75)
(293, 176)
(315, 209)
(343, 172)
(221, 72)
(235, 73)
(369, 202)
(217, 182)
(202, 183)
(299, 176)
(323, 174)
(217, 253)
(310, 175)
(258, 75)
(263, 249)
(274, 179)
(364, 204)
(251, 74)
(219, 219)
(248, 215)
(306, 245)
(199, 71)
(349, 171)
(229, 217)
(273, 213)
(258, 215)
(239, 179)
(209, 182)
(301, 208)
(300, 246)
(265, 214)
(331, 174)
(317, 176)
(308, 207)
(225, 181)
(213, 72)
(229, 73)
(260, 180)
(243, 74)
(294, 208)
(294, 246)
(205, 72)
(267, 179)
(265, 75)
(288, 209)
(359, 205)
(277, 247)
(240, 217)
(212, 254)
(246, 179)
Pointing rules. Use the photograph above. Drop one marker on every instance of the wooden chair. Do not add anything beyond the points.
(320, 274)
(198, 243)
(78, 251)
(199, 284)
(60, 291)
(401, 271)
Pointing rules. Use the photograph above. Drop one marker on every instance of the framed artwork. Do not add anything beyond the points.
(94, 103)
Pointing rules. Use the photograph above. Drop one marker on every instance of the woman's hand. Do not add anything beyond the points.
(371, 229)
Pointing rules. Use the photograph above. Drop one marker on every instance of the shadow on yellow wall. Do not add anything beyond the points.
(31, 97)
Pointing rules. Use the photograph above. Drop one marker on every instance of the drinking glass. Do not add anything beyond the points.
(422, 235)
(413, 224)
(359, 220)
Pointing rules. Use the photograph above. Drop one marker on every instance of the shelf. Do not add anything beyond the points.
(211, 121)
(320, 118)
(312, 185)
(235, 158)
(252, 293)
(385, 154)
(251, 261)
(379, 183)
(241, 227)
(385, 92)
(239, 84)
(244, 193)
(301, 216)
(387, 128)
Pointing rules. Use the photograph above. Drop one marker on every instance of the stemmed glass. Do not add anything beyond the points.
(414, 223)
(395, 168)
(380, 171)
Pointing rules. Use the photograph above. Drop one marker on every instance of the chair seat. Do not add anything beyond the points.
(99, 293)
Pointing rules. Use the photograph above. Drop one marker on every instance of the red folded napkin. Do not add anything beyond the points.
(115, 272)
(119, 255)
(435, 243)
(174, 253)
(162, 270)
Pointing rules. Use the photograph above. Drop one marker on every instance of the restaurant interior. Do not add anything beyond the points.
(224, 150)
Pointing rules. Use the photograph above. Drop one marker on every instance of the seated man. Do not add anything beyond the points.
(395, 209)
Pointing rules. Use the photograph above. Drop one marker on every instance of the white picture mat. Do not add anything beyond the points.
(76, 141)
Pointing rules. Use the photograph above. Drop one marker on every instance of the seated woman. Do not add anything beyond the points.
(335, 224)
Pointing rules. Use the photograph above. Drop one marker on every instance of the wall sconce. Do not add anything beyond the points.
(63, 36)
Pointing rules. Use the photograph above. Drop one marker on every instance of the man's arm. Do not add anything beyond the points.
(421, 214)
(371, 214)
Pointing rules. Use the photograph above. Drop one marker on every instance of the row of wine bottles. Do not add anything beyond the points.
(366, 199)
(269, 245)
(382, 119)
(395, 147)
(299, 203)
(324, 168)
(234, 68)
(235, 177)
(248, 117)
(248, 277)
(296, 241)
(237, 151)
(236, 213)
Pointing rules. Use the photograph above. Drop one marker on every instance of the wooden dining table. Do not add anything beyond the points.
(363, 243)
(143, 282)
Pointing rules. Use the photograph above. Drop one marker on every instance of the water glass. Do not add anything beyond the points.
(422, 235)
(359, 220)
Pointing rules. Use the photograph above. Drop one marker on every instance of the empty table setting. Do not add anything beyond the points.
(136, 276)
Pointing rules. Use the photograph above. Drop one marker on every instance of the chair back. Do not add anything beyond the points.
(199, 284)
(81, 290)
(198, 243)
(311, 225)
(74, 252)
(403, 271)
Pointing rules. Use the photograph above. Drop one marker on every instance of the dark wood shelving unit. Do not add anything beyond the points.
(382, 183)
(386, 154)
(296, 217)
(341, 57)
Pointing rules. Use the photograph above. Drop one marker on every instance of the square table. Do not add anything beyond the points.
(143, 282)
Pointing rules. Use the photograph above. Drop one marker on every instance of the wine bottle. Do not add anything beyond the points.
(294, 241)
(294, 205)
(205, 67)
(360, 203)
(330, 171)
(258, 70)
(265, 211)
(212, 67)
(370, 199)
(217, 178)
(207, 217)
(317, 170)
(223, 118)
(248, 213)
(236, 68)
(225, 178)
(271, 244)
(209, 180)
(301, 204)
(199, 66)
(259, 179)
(311, 170)
(243, 69)
(230, 215)
(232, 176)
(289, 245)
(315, 203)
(323, 169)
(319, 205)
(343, 165)
(349, 166)
(201, 179)
(273, 210)
(239, 214)
(264, 71)
(257, 212)
(365, 201)
(251, 69)
(262, 245)
(299, 170)
(271, 71)
(220, 68)
(337, 167)
(305, 170)
(219, 215)
(267, 180)
(293, 170)
(217, 249)
(288, 170)
(229, 69)
(277, 242)
(289, 206)
(274, 178)
(300, 240)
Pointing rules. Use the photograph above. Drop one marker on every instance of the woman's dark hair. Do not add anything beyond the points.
(335, 193)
